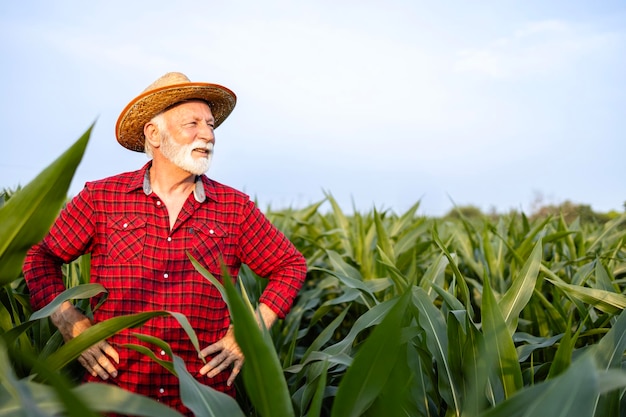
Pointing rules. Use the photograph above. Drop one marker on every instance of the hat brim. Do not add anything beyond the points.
(131, 122)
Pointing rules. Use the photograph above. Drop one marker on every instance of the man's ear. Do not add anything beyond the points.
(151, 132)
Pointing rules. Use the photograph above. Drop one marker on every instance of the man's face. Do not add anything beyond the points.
(187, 140)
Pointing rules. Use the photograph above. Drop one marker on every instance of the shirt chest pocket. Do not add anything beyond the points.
(208, 244)
(126, 238)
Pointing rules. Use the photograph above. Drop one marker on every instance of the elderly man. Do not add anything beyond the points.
(139, 226)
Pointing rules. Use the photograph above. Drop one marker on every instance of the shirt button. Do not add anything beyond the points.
(166, 275)
(125, 225)
(162, 353)
(169, 239)
(158, 203)
(211, 231)
(161, 390)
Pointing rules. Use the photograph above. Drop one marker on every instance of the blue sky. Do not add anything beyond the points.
(381, 103)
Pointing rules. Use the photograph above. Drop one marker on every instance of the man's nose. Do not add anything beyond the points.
(206, 133)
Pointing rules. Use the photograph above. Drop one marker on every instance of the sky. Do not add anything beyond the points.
(502, 105)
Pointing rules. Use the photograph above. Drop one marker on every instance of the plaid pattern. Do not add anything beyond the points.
(144, 266)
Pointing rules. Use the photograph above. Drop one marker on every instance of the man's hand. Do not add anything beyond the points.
(229, 349)
(229, 354)
(97, 359)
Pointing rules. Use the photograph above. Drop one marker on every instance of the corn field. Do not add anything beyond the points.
(400, 315)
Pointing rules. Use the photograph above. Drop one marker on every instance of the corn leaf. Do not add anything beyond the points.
(202, 399)
(613, 345)
(395, 399)
(75, 293)
(325, 334)
(433, 323)
(315, 409)
(383, 240)
(262, 374)
(499, 345)
(112, 399)
(27, 391)
(372, 365)
(28, 215)
(100, 331)
(518, 295)
(571, 394)
(199, 398)
(563, 356)
(370, 318)
(606, 301)
(464, 289)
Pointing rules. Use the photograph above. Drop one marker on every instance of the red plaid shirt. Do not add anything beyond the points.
(144, 266)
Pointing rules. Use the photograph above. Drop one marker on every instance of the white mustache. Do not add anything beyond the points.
(198, 144)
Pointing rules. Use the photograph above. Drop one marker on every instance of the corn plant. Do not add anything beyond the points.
(400, 315)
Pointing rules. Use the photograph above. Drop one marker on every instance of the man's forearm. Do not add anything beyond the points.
(69, 320)
(265, 315)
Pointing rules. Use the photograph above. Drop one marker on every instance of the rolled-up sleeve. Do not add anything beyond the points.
(268, 252)
(69, 237)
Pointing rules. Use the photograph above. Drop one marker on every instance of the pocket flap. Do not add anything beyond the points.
(209, 229)
(125, 222)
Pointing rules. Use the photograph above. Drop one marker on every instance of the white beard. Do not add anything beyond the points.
(181, 155)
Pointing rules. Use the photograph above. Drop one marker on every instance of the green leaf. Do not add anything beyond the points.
(563, 356)
(262, 374)
(344, 226)
(317, 356)
(607, 228)
(572, 394)
(435, 276)
(75, 293)
(315, 409)
(457, 273)
(27, 394)
(344, 269)
(113, 399)
(27, 216)
(325, 334)
(431, 320)
(372, 365)
(370, 318)
(18, 331)
(476, 366)
(396, 398)
(610, 349)
(533, 343)
(20, 400)
(603, 281)
(518, 295)
(397, 276)
(606, 301)
(499, 344)
(149, 353)
(100, 331)
(202, 399)
(383, 241)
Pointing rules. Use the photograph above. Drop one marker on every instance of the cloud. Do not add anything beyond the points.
(537, 48)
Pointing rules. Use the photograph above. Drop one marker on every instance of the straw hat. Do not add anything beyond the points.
(165, 92)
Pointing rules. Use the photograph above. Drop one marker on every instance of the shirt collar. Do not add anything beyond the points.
(198, 191)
